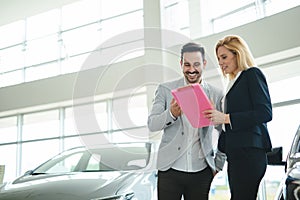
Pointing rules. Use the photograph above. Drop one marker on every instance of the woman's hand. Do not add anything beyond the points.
(217, 117)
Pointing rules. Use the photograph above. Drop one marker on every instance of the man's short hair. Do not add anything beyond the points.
(192, 47)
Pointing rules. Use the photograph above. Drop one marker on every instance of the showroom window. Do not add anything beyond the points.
(12, 53)
(35, 153)
(276, 6)
(71, 19)
(8, 158)
(8, 130)
(12, 39)
(32, 138)
(129, 112)
(234, 11)
(59, 41)
(175, 15)
(41, 50)
(42, 25)
(71, 142)
(241, 12)
(12, 59)
(86, 119)
(8, 137)
(286, 105)
(40, 125)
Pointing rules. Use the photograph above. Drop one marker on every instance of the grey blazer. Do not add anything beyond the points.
(173, 142)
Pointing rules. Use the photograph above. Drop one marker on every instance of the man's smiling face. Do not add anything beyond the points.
(192, 66)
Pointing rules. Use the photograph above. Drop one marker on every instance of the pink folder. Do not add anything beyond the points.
(193, 101)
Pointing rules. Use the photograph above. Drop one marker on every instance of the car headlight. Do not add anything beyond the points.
(128, 196)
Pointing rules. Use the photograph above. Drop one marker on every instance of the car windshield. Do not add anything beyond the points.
(112, 157)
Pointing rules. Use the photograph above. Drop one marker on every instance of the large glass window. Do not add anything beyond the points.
(85, 119)
(8, 130)
(81, 40)
(112, 27)
(13, 33)
(137, 110)
(280, 93)
(41, 125)
(69, 122)
(42, 50)
(72, 142)
(175, 15)
(67, 37)
(58, 41)
(43, 24)
(130, 112)
(101, 112)
(130, 135)
(219, 7)
(112, 8)
(282, 128)
(30, 139)
(8, 157)
(276, 6)
(80, 13)
(73, 63)
(42, 71)
(11, 78)
(235, 19)
(35, 153)
(285, 115)
(11, 58)
(229, 14)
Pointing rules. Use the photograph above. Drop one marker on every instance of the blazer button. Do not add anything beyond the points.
(178, 148)
(182, 133)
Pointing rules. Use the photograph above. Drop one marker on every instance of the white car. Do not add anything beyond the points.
(289, 188)
(106, 172)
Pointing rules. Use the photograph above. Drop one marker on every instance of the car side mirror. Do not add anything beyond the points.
(275, 156)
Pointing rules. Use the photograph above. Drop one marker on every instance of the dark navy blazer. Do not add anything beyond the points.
(249, 105)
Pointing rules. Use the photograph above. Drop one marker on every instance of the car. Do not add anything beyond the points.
(289, 187)
(122, 171)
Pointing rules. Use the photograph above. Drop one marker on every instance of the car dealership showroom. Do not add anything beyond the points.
(78, 79)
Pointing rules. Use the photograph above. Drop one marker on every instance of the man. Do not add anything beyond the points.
(186, 161)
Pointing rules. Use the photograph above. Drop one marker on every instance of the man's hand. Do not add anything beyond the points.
(175, 109)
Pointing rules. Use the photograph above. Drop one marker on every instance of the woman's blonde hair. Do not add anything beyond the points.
(238, 47)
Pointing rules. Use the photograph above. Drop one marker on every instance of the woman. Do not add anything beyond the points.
(247, 109)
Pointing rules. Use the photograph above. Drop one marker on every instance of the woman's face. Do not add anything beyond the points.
(227, 61)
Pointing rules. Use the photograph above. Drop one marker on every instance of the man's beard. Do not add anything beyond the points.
(192, 80)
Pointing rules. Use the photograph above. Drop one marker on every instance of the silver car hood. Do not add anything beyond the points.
(75, 186)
